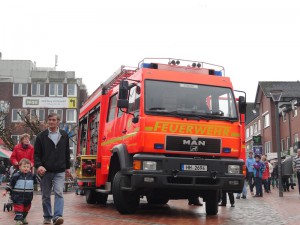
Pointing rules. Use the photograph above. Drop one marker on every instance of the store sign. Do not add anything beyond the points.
(256, 140)
(49, 102)
(257, 150)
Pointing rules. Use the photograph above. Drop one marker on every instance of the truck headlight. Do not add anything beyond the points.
(234, 169)
(149, 165)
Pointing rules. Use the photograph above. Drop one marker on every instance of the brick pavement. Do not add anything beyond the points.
(267, 210)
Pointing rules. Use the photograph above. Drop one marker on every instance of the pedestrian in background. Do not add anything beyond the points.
(274, 176)
(2, 171)
(22, 150)
(287, 172)
(52, 161)
(296, 166)
(270, 175)
(244, 192)
(258, 169)
(224, 198)
(249, 164)
(21, 189)
(266, 174)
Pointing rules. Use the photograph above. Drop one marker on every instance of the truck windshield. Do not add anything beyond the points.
(189, 100)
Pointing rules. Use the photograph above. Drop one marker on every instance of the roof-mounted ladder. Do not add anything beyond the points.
(122, 73)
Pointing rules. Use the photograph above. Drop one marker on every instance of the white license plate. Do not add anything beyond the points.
(186, 167)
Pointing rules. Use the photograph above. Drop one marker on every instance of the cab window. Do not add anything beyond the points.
(134, 99)
(112, 108)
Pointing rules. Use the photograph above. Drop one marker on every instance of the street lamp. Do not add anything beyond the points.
(276, 96)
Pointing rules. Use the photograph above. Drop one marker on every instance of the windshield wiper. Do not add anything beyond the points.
(192, 114)
(218, 117)
(176, 113)
(163, 111)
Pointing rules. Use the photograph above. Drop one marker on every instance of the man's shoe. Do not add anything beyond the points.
(232, 205)
(222, 204)
(244, 197)
(47, 221)
(25, 221)
(238, 197)
(58, 221)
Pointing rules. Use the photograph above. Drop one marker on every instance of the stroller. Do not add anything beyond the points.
(9, 204)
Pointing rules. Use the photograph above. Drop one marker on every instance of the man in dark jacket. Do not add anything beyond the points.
(52, 161)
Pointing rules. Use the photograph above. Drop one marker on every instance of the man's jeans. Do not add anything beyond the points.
(244, 192)
(251, 180)
(55, 180)
(258, 186)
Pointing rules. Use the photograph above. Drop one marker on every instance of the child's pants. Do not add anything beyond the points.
(21, 211)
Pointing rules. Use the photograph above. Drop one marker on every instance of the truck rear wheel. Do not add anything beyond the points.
(90, 196)
(101, 198)
(126, 202)
(211, 204)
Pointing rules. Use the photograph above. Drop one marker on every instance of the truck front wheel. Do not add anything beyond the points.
(211, 203)
(126, 202)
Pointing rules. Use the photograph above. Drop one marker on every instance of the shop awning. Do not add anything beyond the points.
(5, 153)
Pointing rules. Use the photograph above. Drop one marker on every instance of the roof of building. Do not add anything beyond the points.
(250, 115)
(290, 89)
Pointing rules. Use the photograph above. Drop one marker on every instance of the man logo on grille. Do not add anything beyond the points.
(193, 142)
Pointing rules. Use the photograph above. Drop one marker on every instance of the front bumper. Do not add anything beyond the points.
(170, 176)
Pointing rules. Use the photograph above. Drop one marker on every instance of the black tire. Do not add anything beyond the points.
(90, 196)
(101, 198)
(211, 204)
(126, 202)
(4, 207)
(154, 199)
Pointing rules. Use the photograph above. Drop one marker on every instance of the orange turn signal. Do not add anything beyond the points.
(137, 164)
(244, 170)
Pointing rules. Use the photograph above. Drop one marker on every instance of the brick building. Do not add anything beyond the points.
(262, 118)
(38, 91)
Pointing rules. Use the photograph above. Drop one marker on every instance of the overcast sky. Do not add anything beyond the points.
(253, 40)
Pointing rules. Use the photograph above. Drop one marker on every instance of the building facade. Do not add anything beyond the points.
(262, 123)
(37, 91)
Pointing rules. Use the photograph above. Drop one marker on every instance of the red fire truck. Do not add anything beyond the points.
(168, 129)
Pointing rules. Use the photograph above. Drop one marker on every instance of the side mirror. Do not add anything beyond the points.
(242, 104)
(123, 103)
(123, 89)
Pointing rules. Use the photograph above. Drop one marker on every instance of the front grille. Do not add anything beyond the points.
(180, 180)
(193, 144)
(207, 181)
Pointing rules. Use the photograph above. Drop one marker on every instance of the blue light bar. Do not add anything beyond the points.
(218, 73)
(226, 150)
(158, 146)
(146, 65)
